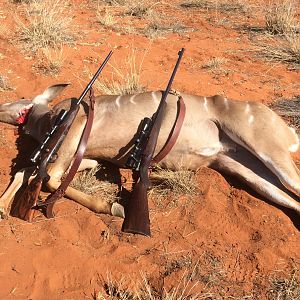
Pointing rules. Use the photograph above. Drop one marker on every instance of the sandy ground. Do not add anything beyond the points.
(233, 241)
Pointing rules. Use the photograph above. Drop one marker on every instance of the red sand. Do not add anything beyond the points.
(237, 239)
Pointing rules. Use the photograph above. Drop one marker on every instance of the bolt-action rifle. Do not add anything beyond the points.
(137, 211)
(47, 153)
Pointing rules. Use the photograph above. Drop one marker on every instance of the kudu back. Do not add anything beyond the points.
(244, 139)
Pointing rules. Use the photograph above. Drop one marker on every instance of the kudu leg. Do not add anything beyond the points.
(21, 177)
(57, 169)
(95, 204)
(254, 173)
(284, 168)
(87, 164)
(275, 155)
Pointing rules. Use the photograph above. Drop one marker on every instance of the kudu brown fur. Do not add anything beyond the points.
(244, 139)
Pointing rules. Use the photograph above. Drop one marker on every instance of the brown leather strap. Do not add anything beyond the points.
(49, 202)
(173, 134)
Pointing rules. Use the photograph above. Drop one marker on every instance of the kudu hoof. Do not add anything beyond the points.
(117, 210)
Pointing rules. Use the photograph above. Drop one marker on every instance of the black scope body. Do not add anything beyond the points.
(134, 160)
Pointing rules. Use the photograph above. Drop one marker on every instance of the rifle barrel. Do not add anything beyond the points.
(88, 87)
(180, 54)
(167, 90)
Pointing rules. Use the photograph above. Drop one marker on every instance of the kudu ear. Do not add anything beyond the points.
(49, 94)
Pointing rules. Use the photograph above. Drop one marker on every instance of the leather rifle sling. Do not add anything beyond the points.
(60, 192)
(181, 109)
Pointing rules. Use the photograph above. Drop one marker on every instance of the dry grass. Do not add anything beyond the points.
(160, 27)
(115, 290)
(280, 17)
(23, 1)
(202, 4)
(114, 2)
(48, 25)
(289, 110)
(50, 61)
(283, 49)
(154, 24)
(105, 17)
(283, 288)
(185, 289)
(214, 65)
(136, 8)
(180, 182)
(238, 6)
(4, 84)
(125, 80)
(88, 183)
(5, 32)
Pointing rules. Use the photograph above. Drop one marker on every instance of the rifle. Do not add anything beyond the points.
(47, 153)
(137, 211)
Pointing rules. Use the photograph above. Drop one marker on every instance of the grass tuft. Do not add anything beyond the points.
(138, 8)
(185, 289)
(215, 64)
(283, 288)
(115, 290)
(50, 61)
(289, 110)
(203, 4)
(4, 84)
(115, 2)
(221, 6)
(280, 17)
(88, 183)
(285, 49)
(5, 32)
(47, 25)
(105, 17)
(23, 1)
(182, 182)
(159, 27)
(124, 81)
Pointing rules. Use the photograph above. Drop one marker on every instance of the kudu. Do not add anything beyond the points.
(244, 139)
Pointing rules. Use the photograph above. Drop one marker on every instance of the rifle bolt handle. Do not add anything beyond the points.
(53, 158)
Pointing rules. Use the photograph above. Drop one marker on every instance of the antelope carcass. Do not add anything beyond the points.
(244, 139)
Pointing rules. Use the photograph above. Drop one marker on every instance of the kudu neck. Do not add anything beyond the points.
(38, 122)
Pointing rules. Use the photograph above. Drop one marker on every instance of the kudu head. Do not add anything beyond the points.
(16, 113)
(27, 112)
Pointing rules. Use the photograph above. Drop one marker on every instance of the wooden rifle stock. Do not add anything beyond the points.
(47, 152)
(136, 211)
(29, 198)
